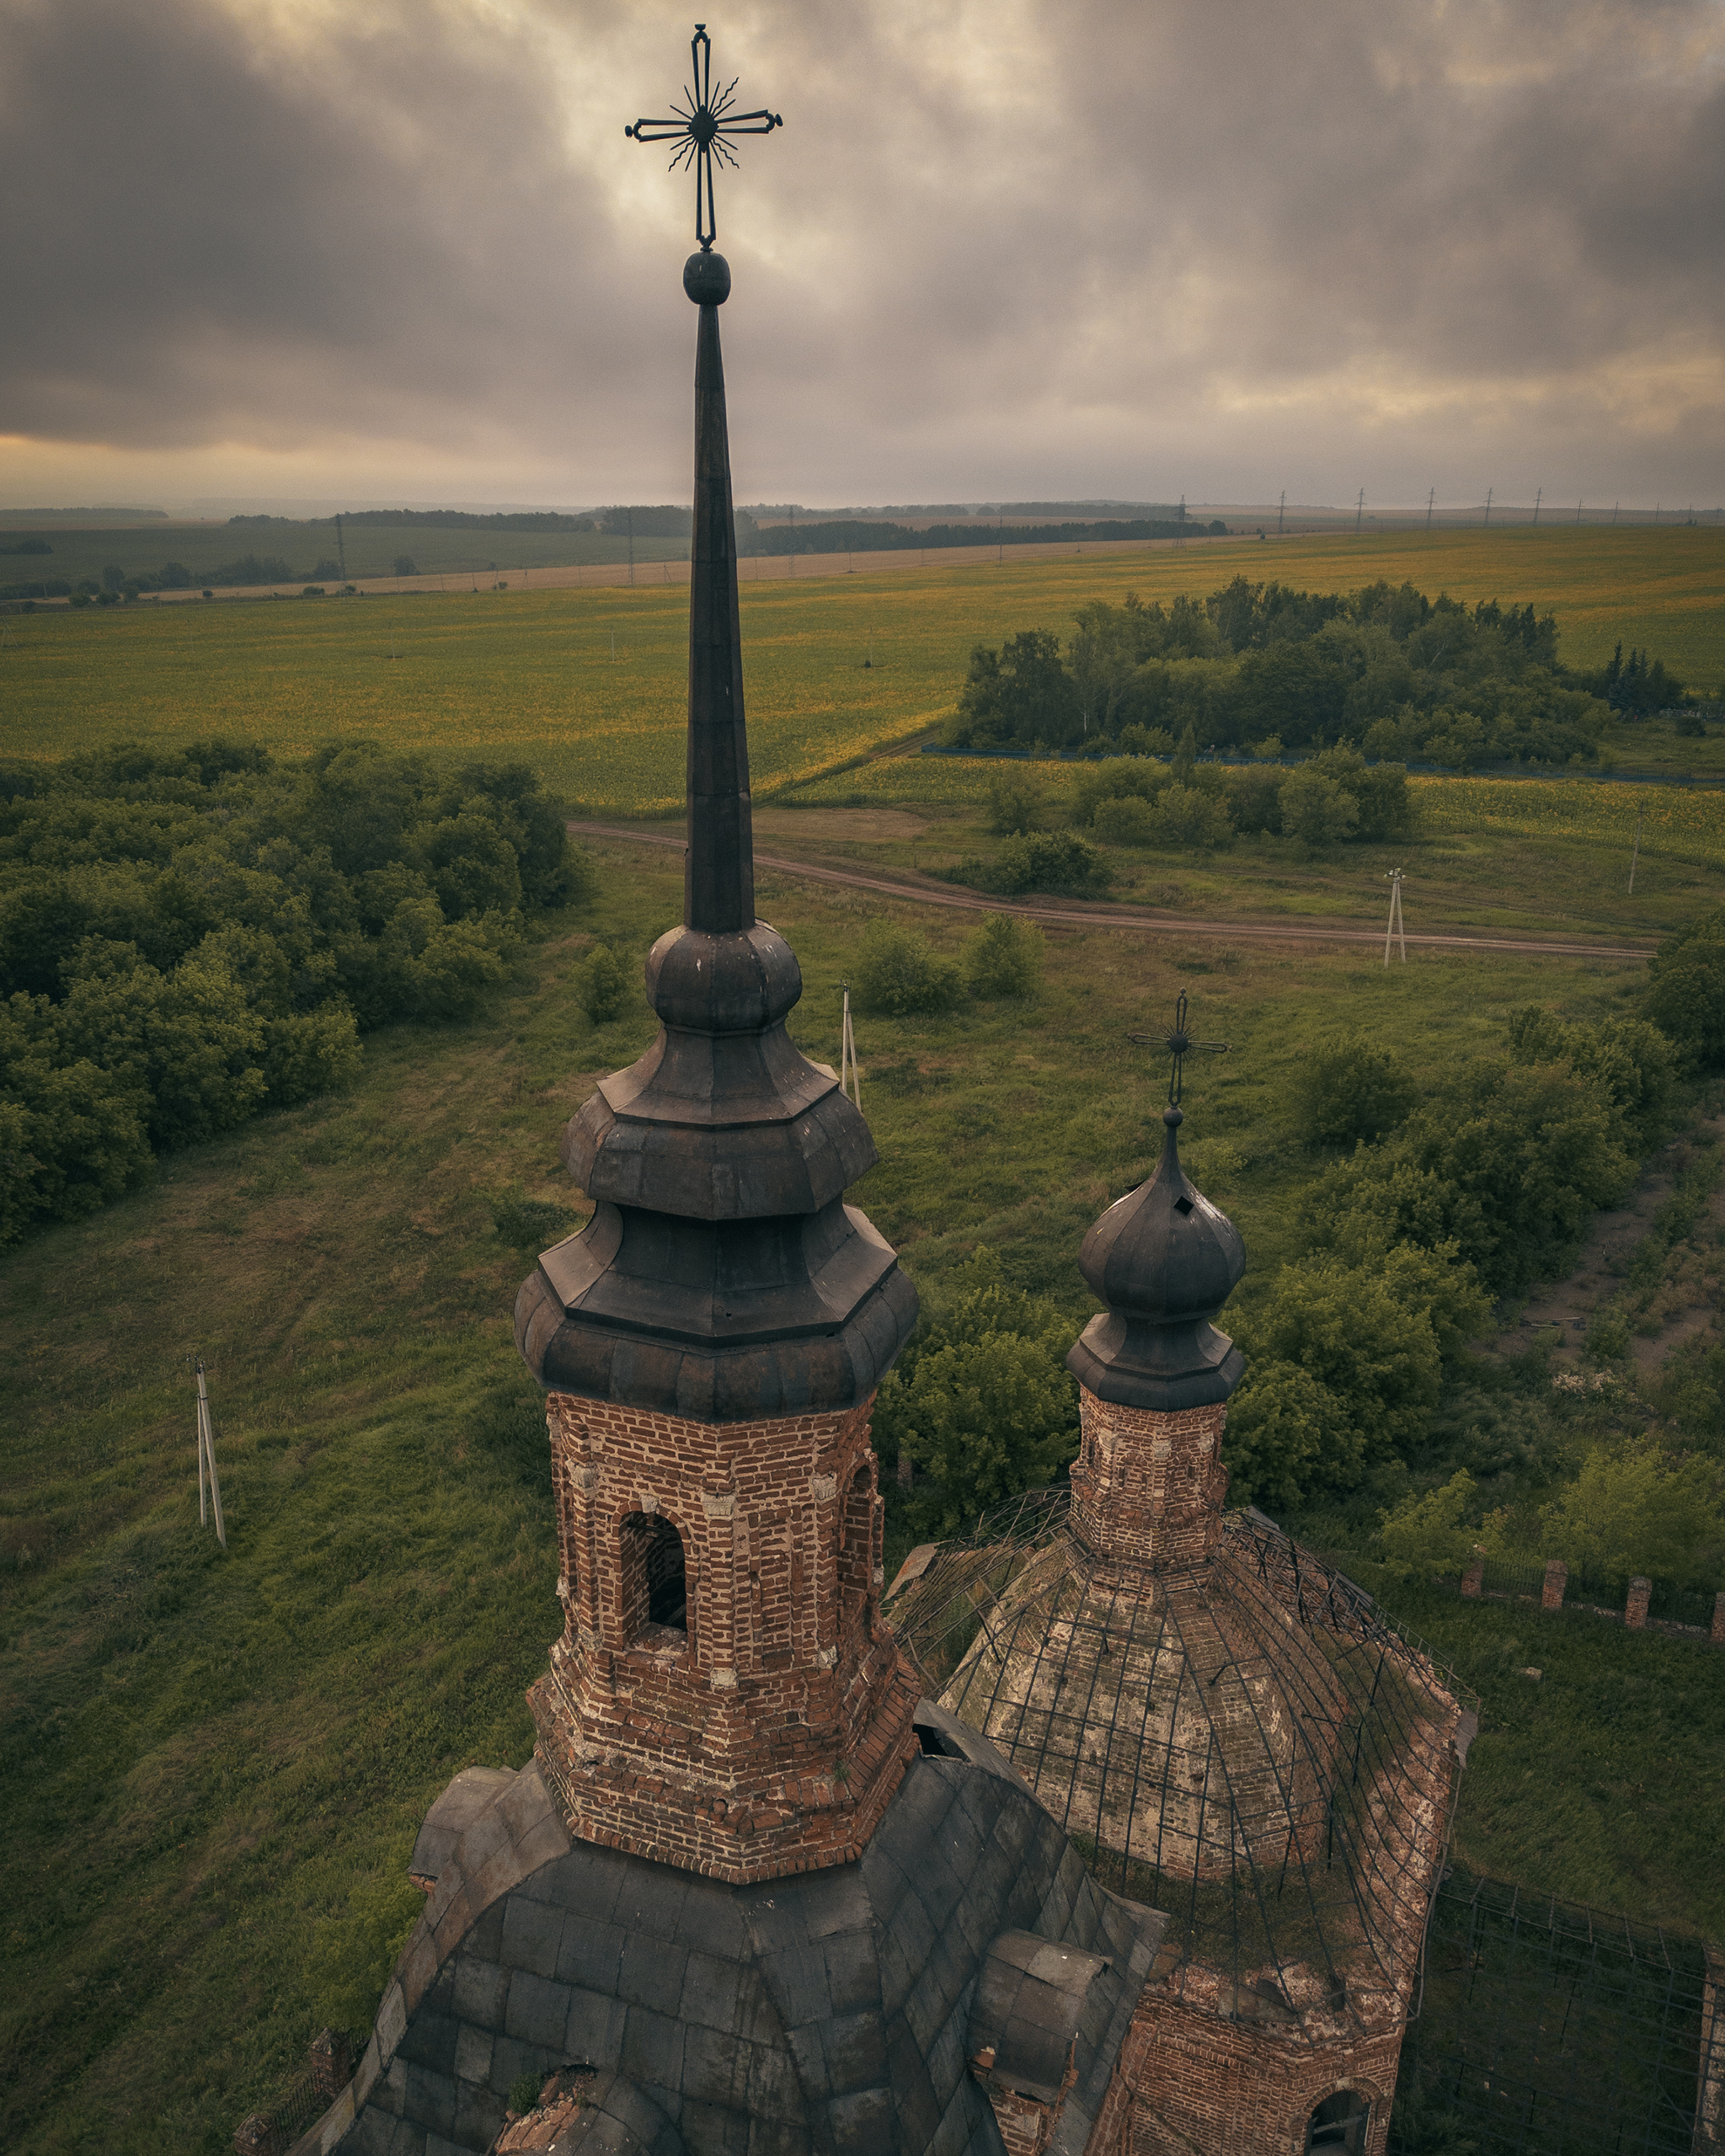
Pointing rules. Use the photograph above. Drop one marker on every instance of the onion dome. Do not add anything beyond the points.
(1164, 1260)
(722, 1275)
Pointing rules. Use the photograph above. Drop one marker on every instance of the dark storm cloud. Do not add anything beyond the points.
(1022, 249)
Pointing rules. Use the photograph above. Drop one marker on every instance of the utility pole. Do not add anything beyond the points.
(1394, 927)
(206, 1462)
(1615, 506)
(1358, 511)
(1431, 495)
(1578, 513)
(849, 1082)
(1280, 506)
(1489, 508)
(1538, 497)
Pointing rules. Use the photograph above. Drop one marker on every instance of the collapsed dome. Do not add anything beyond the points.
(1244, 1743)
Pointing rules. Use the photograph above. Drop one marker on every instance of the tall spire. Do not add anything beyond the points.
(719, 877)
(722, 1275)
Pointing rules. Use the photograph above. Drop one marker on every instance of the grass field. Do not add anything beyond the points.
(529, 675)
(212, 1767)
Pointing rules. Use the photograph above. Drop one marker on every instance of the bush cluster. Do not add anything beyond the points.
(1182, 805)
(1404, 675)
(187, 937)
(899, 974)
(1488, 1185)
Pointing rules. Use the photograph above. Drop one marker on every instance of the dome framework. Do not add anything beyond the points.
(1241, 1742)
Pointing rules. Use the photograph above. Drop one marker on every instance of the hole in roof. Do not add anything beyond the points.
(1182, 1204)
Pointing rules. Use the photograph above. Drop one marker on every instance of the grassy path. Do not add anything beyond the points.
(1144, 918)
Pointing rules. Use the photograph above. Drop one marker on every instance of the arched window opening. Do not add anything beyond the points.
(655, 1581)
(1339, 2123)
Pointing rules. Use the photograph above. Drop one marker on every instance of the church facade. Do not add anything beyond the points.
(1115, 1833)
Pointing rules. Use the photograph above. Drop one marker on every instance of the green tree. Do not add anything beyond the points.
(1004, 957)
(1348, 1087)
(1426, 1533)
(1685, 995)
(1014, 803)
(982, 1419)
(601, 985)
(900, 974)
(1637, 1510)
(1287, 1434)
(1315, 810)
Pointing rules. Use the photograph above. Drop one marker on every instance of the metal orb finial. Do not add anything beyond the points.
(699, 125)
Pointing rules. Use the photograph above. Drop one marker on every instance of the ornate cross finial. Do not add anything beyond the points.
(699, 127)
(1180, 1045)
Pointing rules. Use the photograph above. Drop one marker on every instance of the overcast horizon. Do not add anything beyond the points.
(401, 252)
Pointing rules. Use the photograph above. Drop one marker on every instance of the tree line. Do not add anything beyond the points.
(863, 535)
(190, 937)
(1264, 667)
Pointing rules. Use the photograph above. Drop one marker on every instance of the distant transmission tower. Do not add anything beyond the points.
(1358, 511)
(1539, 496)
(1488, 506)
(1431, 495)
(1180, 520)
(341, 553)
(1280, 506)
(1578, 512)
(1615, 506)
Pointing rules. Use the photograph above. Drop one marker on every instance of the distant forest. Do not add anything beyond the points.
(1264, 667)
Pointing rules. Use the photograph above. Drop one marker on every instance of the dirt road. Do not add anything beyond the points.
(1146, 920)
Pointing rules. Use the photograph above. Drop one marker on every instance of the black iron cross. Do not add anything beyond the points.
(1180, 1045)
(699, 127)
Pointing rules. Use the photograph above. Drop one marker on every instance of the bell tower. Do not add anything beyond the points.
(725, 1696)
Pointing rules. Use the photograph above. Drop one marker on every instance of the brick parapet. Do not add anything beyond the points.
(1147, 1488)
(1634, 1608)
(767, 1737)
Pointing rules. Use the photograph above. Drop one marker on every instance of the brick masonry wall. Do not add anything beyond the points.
(767, 1737)
(1147, 1489)
(1227, 2089)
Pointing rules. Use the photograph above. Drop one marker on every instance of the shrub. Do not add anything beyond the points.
(1685, 997)
(1637, 1511)
(1349, 1088)
(1004, 958)
(1127, 819)
(1315, 809)
(601, 985)
(982, 1419)
(1059, 863)
(1426, 1534)
(1014, 803)
(899, 974)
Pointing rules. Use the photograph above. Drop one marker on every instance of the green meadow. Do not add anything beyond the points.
(532, 674)
(214, 1764)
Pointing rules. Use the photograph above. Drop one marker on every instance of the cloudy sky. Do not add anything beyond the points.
(1029, 248)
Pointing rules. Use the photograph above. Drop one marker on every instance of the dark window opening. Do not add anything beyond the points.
(1339, 2122)
(1182, 1204)
(654, 1584)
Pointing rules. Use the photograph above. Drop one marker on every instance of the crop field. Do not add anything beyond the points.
(82, 551)
(836, 668)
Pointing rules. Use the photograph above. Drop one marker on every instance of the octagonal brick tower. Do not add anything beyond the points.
(723, 1696)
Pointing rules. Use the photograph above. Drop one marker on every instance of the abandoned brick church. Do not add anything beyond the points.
(1117, 1832)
